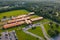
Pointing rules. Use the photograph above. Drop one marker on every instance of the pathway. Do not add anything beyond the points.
(40, 38)
(43, 30)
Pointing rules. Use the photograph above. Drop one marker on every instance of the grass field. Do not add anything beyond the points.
(34, 16)
(23, 36)
(37, 31)
(48, 27)
(13, 13)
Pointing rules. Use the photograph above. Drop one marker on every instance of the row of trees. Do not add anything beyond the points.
(53, 30)
(47, 10)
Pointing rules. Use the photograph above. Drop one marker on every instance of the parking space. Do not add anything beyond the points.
(8, 36)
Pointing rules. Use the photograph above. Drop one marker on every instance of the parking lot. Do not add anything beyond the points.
(8, 35)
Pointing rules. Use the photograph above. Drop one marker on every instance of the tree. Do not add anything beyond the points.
(0, 34)
(33, 27)
(51, 23)
(4, 17)
(57, 26)
(57, 32)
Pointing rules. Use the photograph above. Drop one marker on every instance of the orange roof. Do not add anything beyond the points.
(21, 16)
(13, 24)
(35, 19)
(11, 21)
(19, 20)
(28, 21)
(31, 13)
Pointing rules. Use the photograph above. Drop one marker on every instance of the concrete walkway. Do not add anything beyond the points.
(29, 27)
(40, 38)
(44, 32)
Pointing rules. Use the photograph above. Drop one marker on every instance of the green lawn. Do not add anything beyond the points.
(23, 36)
(34, 16)
(55, 28)
(45, 20)
(48, 27)
(13, 13)
(37, 31)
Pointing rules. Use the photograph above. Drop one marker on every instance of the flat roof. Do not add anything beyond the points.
(21, 20)
(13, 24)
(35, 19)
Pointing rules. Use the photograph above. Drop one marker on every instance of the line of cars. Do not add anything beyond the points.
(8, 36)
